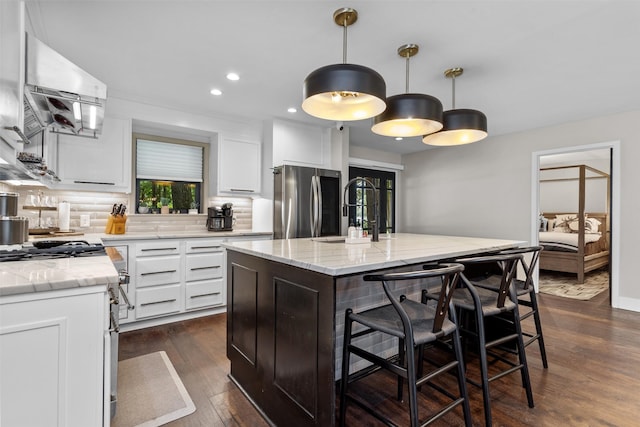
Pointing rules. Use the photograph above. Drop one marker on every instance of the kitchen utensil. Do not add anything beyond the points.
(8, 204)
(12, 230)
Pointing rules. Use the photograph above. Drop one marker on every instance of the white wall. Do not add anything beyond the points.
(484, 189)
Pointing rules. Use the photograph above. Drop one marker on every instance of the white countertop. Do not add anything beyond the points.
(337, 259)
(21, 277)
(150, 235)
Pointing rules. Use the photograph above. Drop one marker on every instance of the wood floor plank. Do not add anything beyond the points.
(593, 352)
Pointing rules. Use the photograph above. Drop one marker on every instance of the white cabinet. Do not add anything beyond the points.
(239, 166)
(52, 358)
(159, 278)
(102, 164)
(205, 284)
(12, 71)
(301, 144)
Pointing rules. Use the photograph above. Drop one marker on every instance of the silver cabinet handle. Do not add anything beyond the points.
(205, 268)
(157, 272)
(242, 190)
(206, 247)
(94, 182)
(157, 302)
(205, 295)
(159, 249)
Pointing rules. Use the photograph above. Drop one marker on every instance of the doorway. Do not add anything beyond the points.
(568, 181)
(360, 199)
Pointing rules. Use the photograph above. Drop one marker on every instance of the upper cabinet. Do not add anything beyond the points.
(12, 70)
(239, 166)
(102, 164)
(301, 144)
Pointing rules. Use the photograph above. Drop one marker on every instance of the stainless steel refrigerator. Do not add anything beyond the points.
(307, 202)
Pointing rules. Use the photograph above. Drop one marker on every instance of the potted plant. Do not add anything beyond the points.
(193, 208)
(143, 207)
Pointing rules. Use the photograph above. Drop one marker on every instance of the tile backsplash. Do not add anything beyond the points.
(97, 206)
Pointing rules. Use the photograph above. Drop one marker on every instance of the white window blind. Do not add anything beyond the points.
(166, 161)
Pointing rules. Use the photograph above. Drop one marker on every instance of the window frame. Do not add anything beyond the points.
(206, 147)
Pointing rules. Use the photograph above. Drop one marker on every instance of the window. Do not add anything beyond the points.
(170, 174)
(361, 195)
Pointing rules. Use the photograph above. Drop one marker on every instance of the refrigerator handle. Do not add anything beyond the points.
(312, 203)
(319, 207)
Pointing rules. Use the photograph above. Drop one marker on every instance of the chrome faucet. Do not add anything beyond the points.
(345, 205)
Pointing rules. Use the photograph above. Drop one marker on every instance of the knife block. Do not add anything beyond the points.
(116, 224)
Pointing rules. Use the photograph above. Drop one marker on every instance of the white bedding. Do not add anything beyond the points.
(567, 241)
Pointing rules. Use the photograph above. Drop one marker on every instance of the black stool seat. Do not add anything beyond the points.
(476, 304)
(414, 324)
(523, 288)
(385, 319)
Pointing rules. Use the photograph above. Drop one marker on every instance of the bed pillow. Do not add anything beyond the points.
(591, 225)
(571, 222)
(564, 222)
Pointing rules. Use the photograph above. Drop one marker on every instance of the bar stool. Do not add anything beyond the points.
(471, 300)
(523, 288)
(415, 324)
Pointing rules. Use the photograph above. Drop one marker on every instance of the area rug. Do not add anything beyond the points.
(150, 392)
(564, 284)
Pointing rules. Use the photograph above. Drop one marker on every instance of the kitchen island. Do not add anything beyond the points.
(285, 313)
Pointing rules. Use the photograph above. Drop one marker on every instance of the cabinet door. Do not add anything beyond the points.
(102, 164)
(239, 166)
(52, 360)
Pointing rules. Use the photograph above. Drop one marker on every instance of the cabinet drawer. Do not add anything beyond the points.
(204, 266)
(204, 293)
(164, 247)
(203, 245)
(153, 271)
(157, 301)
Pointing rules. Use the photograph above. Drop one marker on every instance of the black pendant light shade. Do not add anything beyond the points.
(461, 126)
(409, 114)
(344, 92)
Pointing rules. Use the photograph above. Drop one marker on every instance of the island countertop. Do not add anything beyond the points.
(336, 258)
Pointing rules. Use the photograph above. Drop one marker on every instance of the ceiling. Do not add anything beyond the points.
(528, 63)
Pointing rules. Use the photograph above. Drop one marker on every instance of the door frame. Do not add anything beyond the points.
(614, 213)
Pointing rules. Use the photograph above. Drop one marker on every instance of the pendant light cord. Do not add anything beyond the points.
(406, 89)
(453, 92)
(344, 42)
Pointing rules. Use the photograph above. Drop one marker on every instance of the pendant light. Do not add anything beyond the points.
(461, 126)
(409, 114)
(344, 92)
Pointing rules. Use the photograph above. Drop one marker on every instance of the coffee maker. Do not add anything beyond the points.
(220, 218)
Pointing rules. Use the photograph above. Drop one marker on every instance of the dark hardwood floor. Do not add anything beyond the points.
(593, 377)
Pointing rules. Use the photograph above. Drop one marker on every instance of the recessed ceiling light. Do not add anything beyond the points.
(292, 110)
(233, 76)
(399, 138)
(216, 92)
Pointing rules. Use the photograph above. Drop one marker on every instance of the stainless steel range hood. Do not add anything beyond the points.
(60, 94)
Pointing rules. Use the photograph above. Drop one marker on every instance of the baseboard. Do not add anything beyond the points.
(148, 323)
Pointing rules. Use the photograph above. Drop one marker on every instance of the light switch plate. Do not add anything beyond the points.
(85, 220)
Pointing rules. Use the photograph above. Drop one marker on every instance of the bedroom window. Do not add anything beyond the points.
(170, 174)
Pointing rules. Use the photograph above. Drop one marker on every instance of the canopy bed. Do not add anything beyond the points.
(575, 242)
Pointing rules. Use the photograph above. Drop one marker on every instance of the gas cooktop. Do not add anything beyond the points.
(49, 249)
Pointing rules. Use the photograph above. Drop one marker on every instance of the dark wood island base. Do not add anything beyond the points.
(284, 326)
